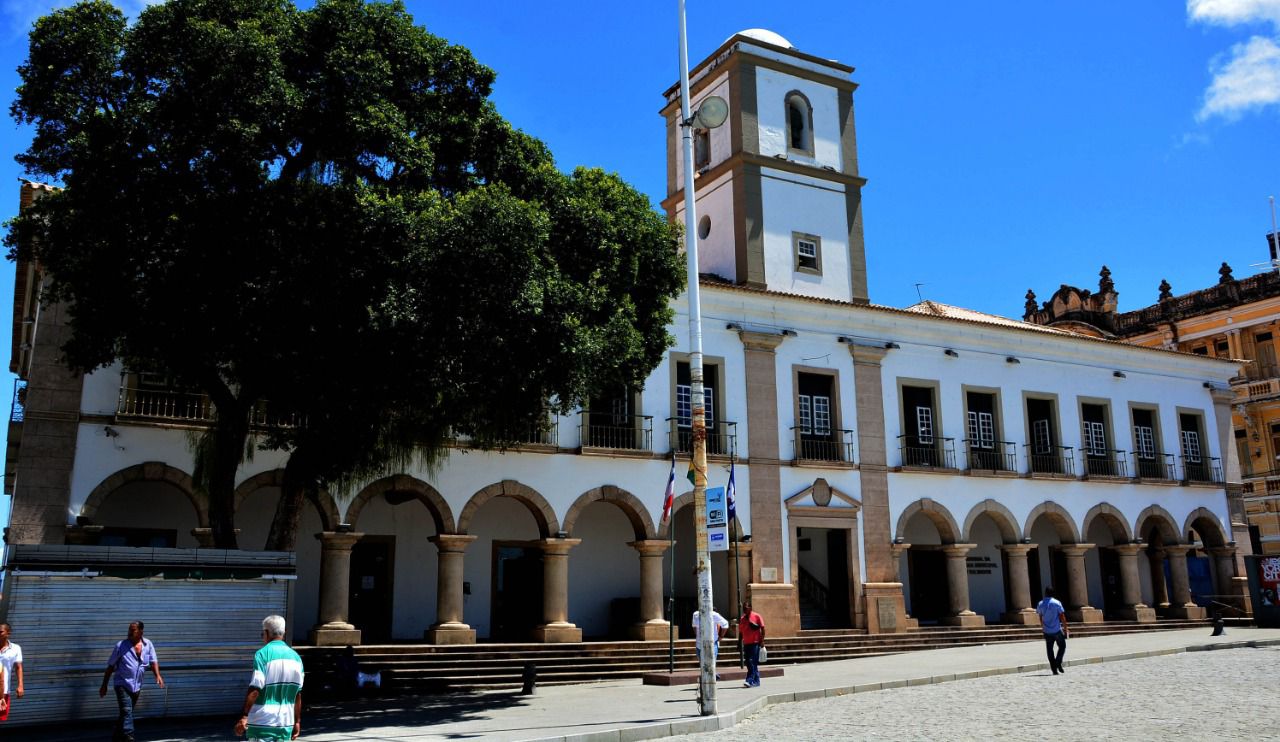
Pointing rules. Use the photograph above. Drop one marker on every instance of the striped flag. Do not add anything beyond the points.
(669, 499)
(731, 495)
(691, 474)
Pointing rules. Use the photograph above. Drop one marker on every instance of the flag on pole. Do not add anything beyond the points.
(692, 475)
(731, 495)
(669, 499)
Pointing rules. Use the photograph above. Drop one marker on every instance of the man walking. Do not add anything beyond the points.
(751, 629)
(273, 703)
(131, 658)
(721, 627)
(1053, 621)
(11, 667)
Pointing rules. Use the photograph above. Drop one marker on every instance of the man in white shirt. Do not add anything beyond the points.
(721, 625)
(11, 663)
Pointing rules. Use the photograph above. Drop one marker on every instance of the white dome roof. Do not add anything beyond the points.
(767, 36)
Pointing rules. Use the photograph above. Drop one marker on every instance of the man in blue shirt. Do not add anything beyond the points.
(1053, 621)
(129, 661)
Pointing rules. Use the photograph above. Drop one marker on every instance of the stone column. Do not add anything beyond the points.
(555, 626)
(335, 590)
(1078, 608)
(1181, 605)
(958, 586)
(1159, 590)
(449, 627)
(896, 552)
(1224, 562)
(652, 626)
(885, 607)
(1020, 610)
(1131, 587)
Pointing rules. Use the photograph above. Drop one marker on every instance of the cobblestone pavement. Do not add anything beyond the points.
(1223, 695)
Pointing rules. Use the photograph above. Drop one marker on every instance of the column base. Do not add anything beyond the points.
(559, 633)
(451, 633)
(651, 631)
(1191, 612)
(886, 609)
(335, 635)
(1085, 614)
(779, 606)
(1024, 617)
(964, 620)
(1139, 613)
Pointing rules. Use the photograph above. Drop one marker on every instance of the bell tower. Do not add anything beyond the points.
(778, 193)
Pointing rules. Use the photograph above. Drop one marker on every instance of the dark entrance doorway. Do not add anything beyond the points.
(823, 567)
(1112, 595)
(1033, 573)
(372, 568)
(927, 570)
(517, 591)
(838, 573)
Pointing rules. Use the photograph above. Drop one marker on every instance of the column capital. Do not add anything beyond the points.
(343, 540)
(958, 550)
(1128, 549)
(763, 341)
(1222, 551)
(1017, 549)
(898, 549)
(1176, 551)
(558, 546)
(1074, 550)
(452, 542)
(866, 355)
(650, 547)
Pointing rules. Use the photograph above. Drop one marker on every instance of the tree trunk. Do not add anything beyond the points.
(299, 483)
(231, 432)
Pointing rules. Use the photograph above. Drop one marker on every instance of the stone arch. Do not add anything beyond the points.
(628, 503)
(538, 506)
(412, 486)
(1004, 520)
(1114, 520)
(150, 471)
(664, 530)
(941, 518)
(1160, 519)
(1205, 523)
(323, 501)
(1062, 521)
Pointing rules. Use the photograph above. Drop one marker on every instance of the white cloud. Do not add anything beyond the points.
(1248, 79)
(1234, 12)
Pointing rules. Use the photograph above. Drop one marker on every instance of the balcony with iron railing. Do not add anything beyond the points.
(1154, 467)
(834, 447)
(722, 437)
(1050, 461)
(1202, 470)
(991, 456)
(1100, 463)
(609, 431)
(189, 408)
(927, 454)
(18, 407)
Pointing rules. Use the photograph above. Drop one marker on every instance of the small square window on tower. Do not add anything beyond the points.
(808, 252)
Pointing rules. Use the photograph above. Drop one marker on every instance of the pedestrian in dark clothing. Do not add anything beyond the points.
(129, 661)
(1053, 621)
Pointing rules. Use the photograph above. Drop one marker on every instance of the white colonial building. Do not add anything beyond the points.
(892, 465)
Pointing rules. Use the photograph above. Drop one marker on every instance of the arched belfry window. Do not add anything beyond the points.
(799, 123)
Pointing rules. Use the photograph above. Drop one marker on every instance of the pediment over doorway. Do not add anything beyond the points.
(822, 495)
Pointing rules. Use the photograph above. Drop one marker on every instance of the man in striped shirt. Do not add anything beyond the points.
(273, 705)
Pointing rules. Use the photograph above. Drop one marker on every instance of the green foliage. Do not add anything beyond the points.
(321, 208)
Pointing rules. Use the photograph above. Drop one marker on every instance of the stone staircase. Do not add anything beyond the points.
(425, 668)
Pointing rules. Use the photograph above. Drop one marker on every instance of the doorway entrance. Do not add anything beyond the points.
(930, 595)
(517, 591)
(372, 570)
(823, 567)
(1112, 594)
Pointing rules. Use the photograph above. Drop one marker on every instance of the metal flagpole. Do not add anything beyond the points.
(706, 629)
(737, 576)
(671, 594)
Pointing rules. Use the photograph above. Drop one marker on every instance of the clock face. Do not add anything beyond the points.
(712, 112)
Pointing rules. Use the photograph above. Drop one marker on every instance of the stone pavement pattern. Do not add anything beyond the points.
(1225, 694)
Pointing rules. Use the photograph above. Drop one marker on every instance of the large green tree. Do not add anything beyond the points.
(318, 213)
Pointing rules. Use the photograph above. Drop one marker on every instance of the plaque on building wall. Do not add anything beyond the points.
(768, 574)
(887, 614)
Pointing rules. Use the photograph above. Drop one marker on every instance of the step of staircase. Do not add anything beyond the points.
(428, 668)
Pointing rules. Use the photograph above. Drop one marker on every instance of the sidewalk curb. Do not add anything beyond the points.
(729, 719)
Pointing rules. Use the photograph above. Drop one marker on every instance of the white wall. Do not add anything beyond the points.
(798, 203)
(501, 519)
(601, 568)
(772, 88)
(986, 591)
(413, 607)
(717, 253)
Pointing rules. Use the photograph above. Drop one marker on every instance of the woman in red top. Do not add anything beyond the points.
(751, 629)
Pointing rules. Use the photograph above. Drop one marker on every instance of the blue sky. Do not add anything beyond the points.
(1008, 145)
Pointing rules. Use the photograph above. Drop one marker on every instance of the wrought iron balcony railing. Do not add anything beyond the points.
(932, 453)
(1203, 469)
(1101, 462)
(161, 405)
(991, 455)
(1154, 466)
(1051, 460)
(835, 446)
(17, 408)
(618, 432)
(722, 437)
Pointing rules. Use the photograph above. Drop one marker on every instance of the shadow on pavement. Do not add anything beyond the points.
(321, 718)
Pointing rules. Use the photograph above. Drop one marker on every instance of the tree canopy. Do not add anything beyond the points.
(322, 209)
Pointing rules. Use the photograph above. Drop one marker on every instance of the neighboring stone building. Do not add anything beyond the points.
(893, 465)
(1233, 319)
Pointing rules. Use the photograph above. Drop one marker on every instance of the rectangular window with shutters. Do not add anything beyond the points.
(1144, 440)
(817, 418)
(981, 426)
(1095, 438)
(684, 394)
(808, 252)
(924, 424)
(1041, 439)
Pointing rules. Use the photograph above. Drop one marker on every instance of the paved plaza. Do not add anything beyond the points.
(1130, 686)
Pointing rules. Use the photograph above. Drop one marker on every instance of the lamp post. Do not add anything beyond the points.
(711, 114)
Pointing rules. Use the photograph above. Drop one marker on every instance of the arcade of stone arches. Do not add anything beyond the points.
(402, 564)
(992, 568)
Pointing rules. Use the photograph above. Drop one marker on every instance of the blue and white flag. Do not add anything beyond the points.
(731, 495)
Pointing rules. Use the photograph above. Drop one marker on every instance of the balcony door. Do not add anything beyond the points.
(919, 427)
(1146, 452)
(816, 418)
(684, 407)
(1045, 458)
(1095, 442)
(981, 431)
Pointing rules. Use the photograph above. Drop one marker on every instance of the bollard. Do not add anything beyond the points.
(1219, 627)
(530, 677)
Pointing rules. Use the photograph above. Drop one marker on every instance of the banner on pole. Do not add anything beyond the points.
(717, 520)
